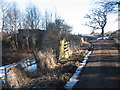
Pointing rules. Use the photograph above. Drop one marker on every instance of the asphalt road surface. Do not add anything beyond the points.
(103, 67)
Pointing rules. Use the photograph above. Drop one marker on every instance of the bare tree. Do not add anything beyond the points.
(56, 31)
(31, 20)
(98, 20)
(32, 17)
(59, 29)
(12, 23)
(3, 10)
(98, 16)
(47, 18)
(9, 17)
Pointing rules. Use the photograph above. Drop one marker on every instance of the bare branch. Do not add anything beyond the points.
(98, 16)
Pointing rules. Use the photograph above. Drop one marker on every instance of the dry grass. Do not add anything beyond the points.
(18, 77)
(52, 74)
(46, 60)
(9, 56)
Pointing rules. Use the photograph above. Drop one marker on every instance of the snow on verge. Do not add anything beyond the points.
(73, 80)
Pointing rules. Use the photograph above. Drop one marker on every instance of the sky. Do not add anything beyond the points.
(72, 11)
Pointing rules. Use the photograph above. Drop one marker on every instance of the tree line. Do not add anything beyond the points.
(13, 19)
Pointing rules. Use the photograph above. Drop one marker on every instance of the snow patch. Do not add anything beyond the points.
(73, 80)
(24, 64)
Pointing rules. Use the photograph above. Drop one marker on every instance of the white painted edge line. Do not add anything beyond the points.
(73, 80)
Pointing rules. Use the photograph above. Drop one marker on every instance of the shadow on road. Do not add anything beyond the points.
(102, 69)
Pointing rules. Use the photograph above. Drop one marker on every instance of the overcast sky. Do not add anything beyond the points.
(72, 11)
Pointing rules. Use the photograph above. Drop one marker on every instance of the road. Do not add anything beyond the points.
(102, 69)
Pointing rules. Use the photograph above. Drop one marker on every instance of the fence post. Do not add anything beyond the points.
(6, 82)
(36, 58)
(61, 49)
(82, 40)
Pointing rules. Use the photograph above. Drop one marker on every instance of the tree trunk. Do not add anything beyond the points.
(27, 40)
(16, 37)
(16, 40)
(28, 46)
(102, 33)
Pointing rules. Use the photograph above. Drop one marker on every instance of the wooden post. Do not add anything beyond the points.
(6, 82)
(82, 40)
(61, 49)
(37, 61)
(35, 56)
